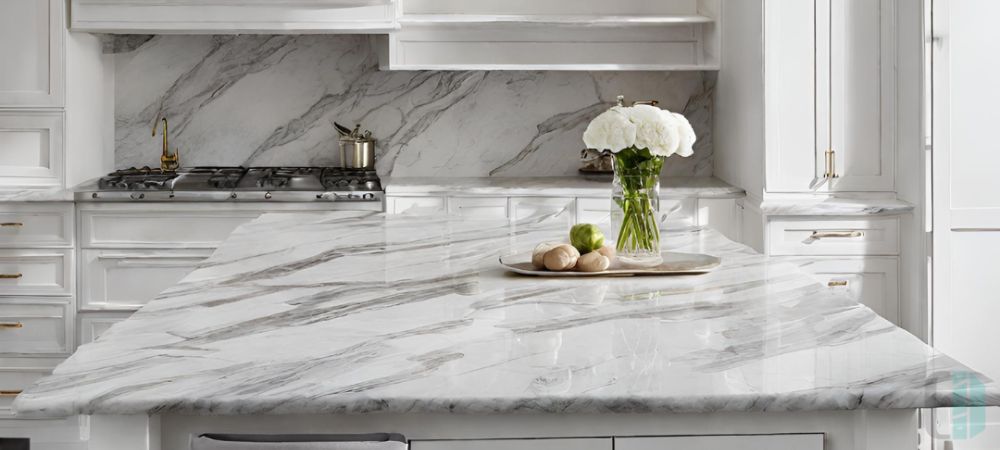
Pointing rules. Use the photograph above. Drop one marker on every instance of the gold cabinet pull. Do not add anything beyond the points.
(11, 276)
(11, 224)
(10, 392)
(836, 234)
(11, 325)
(836, 283)
(831, 164)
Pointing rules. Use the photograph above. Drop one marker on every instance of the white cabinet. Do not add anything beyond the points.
(810, 441)
(478, 207)
(36, 272)
(128, 279)
(829, 95)
(233, 16)
(524, 207)
(872, 281)
(110, 227)
(813, 236)
(31, 48)
(36, 225)
(415, 205)
(35, 326)
(31, 148)
(516, 444)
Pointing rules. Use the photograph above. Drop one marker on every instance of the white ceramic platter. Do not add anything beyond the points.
(674, 263)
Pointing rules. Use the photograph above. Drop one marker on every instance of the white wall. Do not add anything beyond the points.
(89, 109)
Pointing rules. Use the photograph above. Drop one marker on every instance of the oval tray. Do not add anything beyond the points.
(674, 263)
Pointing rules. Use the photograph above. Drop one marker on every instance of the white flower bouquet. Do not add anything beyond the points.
(641, 137)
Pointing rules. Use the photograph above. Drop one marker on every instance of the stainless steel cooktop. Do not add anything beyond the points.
(237, 184)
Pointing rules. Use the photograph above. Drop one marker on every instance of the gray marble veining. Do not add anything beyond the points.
(352, 312)
(271, 100)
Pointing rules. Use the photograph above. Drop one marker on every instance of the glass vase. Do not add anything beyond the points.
(635, 210)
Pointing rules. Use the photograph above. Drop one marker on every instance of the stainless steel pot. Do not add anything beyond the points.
(357, 153)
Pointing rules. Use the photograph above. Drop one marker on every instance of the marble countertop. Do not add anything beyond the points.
(354, 312)
(36, 195)
(578, 186)
(836, 206)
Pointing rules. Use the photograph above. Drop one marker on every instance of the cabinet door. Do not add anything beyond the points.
(872, 281)
(31, 51)
(515, 444)
(811, 441)
(861, 95)
(128, 279)
(31, 147)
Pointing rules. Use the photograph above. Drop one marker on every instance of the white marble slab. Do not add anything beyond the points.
(836, 206)
(350, 312)
(36, 195)
(260, 100)
(574, 186)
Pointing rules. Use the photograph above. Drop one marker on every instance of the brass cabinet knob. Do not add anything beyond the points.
(836, 283)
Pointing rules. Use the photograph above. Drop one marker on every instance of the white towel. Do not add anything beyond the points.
(379, 441)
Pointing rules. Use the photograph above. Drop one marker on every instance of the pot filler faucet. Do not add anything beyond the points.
(167, 161)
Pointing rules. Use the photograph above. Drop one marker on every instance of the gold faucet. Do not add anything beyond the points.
(167, 161)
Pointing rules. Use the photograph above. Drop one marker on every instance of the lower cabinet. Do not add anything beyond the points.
(516, 444)
(811, 441)
(871, 280)
(128, 279)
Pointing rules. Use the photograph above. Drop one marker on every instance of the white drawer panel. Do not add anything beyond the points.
(31, 149)
(36, 225)
(128, 279)
(811, 441)
(875, 236)
(415, 205)
(94, 324)
(478, 207)
(172, 229)
(15, 380)
(36, 272)
(525, 207)
(34, 326)
(872, 281)
(515, 444)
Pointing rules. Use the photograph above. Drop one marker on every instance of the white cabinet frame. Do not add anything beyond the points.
(52, 94)
(48, 130)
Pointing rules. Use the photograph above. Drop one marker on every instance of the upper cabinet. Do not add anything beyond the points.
(555, 35)
(233, 16)
(31, 53)
(829, 91)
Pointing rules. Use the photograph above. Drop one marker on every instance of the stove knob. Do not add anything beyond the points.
(267, 195)
(368, 196)
(137, 196)
(233, 195)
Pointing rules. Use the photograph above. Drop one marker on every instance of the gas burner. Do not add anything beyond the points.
(350, 179)
(212, 178)
(281, 179)
(133, 179)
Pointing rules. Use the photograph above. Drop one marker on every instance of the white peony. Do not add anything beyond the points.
(611, 130)
(655, 130)
(687, 135)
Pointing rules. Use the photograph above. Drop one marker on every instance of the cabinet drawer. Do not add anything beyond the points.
(810, 441)
(872, 281)
(35, 326)
(128, 279)
(478, 207)
(94, 324)
(834, 237)
(36, 225)
(36, 272)
(415, 205)
(515, 444)
(525, 207)
(15, 380)
(171, 229)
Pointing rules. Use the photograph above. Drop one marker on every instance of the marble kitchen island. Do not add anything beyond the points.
(350, 322)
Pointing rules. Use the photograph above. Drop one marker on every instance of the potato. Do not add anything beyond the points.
(608, 251)
(538, 255)
(561, 257)
(593, 262)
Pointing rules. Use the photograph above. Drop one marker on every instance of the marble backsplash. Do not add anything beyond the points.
(272, 100)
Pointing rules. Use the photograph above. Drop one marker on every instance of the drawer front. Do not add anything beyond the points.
(15, 380)
(834, 237)
(93, 325)
(35, 326)
(36, 272)
(128, 279)
(872, 281)
(175, 229)
(31, 149)
(811, 441)
(36, 225)
(478, 207)
(524, 207)
(415, 205)
(515, 444)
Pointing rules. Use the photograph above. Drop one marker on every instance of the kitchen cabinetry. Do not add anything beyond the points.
(233, 16)
(829, 94)
(810, 441)
(31, 48)
(515, 444)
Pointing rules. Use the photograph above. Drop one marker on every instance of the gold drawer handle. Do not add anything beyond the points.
(836, 283)
(836, 234)
(11, 224)
(11, 276)
(10, 393)
(11, 325)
